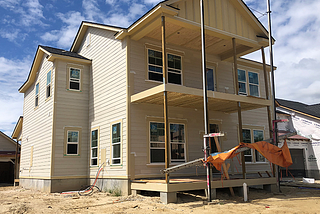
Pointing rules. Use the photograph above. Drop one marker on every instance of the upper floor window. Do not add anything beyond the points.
(211, 79)
(249, 136)
(74, 79)
(36, 102)
(155, 67)
(48, 87)
(248, 83)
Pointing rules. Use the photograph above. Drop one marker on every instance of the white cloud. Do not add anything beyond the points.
(12, 75)
(64, 36)
(151, 2)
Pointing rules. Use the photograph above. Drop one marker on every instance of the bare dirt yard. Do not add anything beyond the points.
(291, 200)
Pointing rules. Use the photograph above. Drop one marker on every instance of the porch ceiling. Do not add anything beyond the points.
(181, 96)
(191, 39)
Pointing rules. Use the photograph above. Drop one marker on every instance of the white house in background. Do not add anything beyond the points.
(305, 146)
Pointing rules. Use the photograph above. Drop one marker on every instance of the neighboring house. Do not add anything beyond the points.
(305, 146)
(7, 158)
(102, 101)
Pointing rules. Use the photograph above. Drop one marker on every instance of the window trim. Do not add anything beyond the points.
(247, 84)
(253, 152)
(75, 129)
(156, 120)
(49, 85)
(172, 52)
(120, 143)
(97, 147)
(36, 95)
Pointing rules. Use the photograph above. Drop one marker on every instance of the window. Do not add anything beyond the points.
(157, 142)
(250, 136)
(74, 79)
(155, 67)
(253, 83)
(73, 143)
(48, 89)
(94, 147)
(116, 143)
(36, 102)
(214, 128)
(210, 79)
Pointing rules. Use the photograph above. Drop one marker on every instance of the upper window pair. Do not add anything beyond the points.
(155, 67)
(248, 83)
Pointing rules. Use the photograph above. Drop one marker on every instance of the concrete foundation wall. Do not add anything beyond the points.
(121, 186)
(313, 174)
(57, 185)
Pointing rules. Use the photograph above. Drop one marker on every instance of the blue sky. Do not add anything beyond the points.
(24, 24)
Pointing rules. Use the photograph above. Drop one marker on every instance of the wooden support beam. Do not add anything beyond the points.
(236, 90)
(165, 98)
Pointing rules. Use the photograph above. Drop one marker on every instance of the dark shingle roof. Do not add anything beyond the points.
(313, 110)
(63, 52)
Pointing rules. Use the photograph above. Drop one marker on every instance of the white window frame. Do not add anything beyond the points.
(37, 92)
(76, 143)
(116, 143)
(75, 80)
(253, 154)
(48, 85)
(95, 147)
(163, 143)
(169, 70)
(247, 83)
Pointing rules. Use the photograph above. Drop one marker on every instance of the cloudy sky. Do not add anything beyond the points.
(24, 24)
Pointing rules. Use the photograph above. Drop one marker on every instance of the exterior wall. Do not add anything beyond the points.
(71, 113)
(307, 127)
(222, 15)
(107, 96)
(141, 114)
(37, 127)
(6, 144)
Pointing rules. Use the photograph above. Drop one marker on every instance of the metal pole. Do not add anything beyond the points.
(205, 98)
(165, 99)
(275, 133)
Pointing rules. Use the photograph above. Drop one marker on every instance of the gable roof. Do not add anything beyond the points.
(8, 138)
(309, 110)
(17, 129)
(53, 53)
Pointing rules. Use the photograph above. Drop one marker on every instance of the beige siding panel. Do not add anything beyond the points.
(6, 145)
(37, 126)
(72, 110)
(107, 91)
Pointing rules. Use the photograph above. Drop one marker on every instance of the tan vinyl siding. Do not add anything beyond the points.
(107, 102)
(71, 113)
(6, 145)
(220, 14)
(37, 126)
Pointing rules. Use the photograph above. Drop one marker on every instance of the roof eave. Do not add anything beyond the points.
(53, 57)
(17, 129)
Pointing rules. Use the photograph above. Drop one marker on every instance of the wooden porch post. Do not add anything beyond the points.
(236, 90)
(266, 80)
(165, 100)
(16, 162)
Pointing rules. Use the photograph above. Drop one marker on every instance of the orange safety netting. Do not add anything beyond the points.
(279, 156)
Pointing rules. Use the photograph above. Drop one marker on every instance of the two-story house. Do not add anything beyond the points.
(102, 101)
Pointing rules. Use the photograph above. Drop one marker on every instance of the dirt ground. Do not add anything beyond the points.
(291, 200)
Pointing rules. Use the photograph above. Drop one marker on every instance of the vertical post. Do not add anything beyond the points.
(205, 98)
(16, 163)
(236, 89)
(275, 133)
(266, 80)
(165, 99)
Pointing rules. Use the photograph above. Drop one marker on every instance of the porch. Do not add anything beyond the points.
(168, 191)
